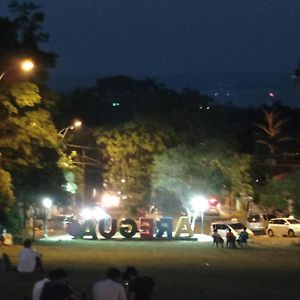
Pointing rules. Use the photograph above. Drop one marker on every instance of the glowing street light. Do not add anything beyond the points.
(47, 203)
(200, 204)
(76, 124)
(25, 65)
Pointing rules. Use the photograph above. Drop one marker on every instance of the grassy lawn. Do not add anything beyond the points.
(181, 269)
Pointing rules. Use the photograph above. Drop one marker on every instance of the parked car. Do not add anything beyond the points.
(284, 226)
(258, 223)
(236, 228)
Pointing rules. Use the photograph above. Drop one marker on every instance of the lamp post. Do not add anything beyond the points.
(200, 205)
(47, 203)
(63, 132)
(26, 66)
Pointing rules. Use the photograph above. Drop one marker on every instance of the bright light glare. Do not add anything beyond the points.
(110, 200)
(27, 65)
(86, 214)
(199, 203)
(47, 202)
(77, 124)
(99, 213)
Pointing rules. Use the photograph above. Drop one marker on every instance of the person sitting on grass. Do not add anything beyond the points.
(243, 237)
(6, 264)
(38, 286)
(217, 239)
(143, 288)
(57, 288)
(110, 288)
(29, 259)
(129, 276)
(230, 239)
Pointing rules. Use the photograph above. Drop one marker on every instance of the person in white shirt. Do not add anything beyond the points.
(110, 288)
(38, 287)
(29, 260)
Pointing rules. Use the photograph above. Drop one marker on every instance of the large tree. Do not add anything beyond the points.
(28, 137)
(206, 169)
(128, 151)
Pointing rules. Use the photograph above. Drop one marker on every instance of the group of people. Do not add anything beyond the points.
(116, 286)
(130, 286)
(230, 238)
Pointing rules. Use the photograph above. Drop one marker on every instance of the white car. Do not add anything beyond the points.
(235, 227)
(284, 226)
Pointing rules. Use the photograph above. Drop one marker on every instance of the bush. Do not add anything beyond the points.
(11, 220)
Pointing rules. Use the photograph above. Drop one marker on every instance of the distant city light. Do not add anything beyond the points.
(271, 94)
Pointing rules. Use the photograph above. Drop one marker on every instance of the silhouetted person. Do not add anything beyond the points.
(217, 239)
(230, 239)
(38, 286)
(6, 263)
(129, 276)
(243, 237)
(142, 288)
(57, 288)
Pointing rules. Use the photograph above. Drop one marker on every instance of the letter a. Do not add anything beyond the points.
(183, 226)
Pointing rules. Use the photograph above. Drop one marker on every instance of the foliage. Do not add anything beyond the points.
(276, 192)
(6, 191)
(11, 219)
(28, 137)
(129, 150)
(25, 126)
(206, 169)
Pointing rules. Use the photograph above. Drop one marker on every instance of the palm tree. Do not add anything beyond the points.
(271, 132)
(296, 76)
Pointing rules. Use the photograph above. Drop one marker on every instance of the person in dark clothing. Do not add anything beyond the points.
(142, 288)
(57, 288)
(129, 276)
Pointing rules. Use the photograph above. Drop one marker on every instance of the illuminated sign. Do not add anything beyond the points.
(128, 228)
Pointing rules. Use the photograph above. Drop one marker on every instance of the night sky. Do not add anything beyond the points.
(173, 37)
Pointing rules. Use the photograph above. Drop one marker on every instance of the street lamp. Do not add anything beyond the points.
(47, 203)
(200, 205)
(25, 65)
(63, 132)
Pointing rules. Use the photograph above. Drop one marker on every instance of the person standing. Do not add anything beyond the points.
(110, 288)
(29, 259)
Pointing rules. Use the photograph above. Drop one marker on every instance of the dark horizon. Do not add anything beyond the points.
(172, 38)
(241, 88)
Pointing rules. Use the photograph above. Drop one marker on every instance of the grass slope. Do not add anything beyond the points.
(181, 269)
